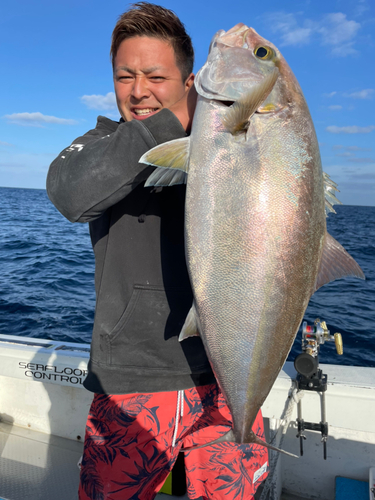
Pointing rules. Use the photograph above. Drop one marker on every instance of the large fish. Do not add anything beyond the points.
(257, 246)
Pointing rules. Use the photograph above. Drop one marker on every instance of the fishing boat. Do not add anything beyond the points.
(43, 410)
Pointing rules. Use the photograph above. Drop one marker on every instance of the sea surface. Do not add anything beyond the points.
(47, 278)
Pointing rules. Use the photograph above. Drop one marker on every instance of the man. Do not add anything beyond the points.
(153, 395)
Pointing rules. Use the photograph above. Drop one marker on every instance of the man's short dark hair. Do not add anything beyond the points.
(148, 19)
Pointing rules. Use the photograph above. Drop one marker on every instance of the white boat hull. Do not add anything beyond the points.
(41, 391)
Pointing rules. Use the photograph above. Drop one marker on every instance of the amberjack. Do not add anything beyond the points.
(257, 245)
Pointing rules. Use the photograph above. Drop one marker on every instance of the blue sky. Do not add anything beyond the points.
(56, 76)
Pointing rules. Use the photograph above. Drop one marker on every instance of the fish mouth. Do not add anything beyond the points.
(260, 110)
(227, 104)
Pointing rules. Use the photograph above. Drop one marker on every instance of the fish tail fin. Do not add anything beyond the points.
(230, 438)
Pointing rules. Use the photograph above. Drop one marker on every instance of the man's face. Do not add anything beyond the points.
(147, 78)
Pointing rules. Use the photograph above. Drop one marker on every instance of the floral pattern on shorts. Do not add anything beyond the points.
(128, 449)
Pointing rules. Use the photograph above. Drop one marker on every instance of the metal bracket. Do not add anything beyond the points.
(319, 385)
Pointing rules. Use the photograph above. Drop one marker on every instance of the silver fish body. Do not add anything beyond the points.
(255, 229)
(256, 241)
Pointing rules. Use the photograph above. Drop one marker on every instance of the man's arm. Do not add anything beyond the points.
(101, 167)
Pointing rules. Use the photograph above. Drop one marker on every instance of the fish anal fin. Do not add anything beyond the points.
(238, 115)
(190, 327)
(172, 156)
(336, 263)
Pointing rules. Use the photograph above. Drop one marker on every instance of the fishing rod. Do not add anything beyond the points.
(311, 378)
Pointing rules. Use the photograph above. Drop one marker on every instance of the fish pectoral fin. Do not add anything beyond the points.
(336, 263)
(172, 160)
(166, 177)
(238, 115)
(329, 192)
(190, 328)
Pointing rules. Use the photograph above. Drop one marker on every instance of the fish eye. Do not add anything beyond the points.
(263, 52)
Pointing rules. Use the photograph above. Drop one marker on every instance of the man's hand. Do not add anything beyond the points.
(185, 107)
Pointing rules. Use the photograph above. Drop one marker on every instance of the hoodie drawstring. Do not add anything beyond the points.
(179, 414)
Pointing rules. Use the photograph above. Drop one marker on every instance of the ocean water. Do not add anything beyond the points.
(47, 278)
(47, 270)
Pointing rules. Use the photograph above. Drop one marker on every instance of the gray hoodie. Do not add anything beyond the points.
(143, 292)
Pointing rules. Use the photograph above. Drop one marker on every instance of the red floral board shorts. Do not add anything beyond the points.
(129, 449)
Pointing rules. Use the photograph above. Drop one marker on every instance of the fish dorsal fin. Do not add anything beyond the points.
(329, 192)
(190, 328)
(239, 114)
(172, 160)
(336, 263)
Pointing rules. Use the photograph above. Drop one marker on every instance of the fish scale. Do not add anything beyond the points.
(234, 235)
(255, 226)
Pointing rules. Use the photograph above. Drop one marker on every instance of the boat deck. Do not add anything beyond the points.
(46, 414)
(38, 466)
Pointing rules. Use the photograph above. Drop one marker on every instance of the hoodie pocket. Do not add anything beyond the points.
(146, 334)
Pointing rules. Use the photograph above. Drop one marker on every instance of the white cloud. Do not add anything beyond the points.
(113, 116)
(365, 176)
(2, 143)
(335, 107)
(331, 94)
(350, 148)
(350, 130)
(334, 30)
(343, 50)
(37, 119)
(361, 160)
(339, 32)
(344, 155)
(286, 25)
(100, 101)
(24, 169)
(298, 36)
(356, 148)
(361, 94)
(361, 8)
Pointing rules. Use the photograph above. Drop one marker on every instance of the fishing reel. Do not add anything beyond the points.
(307, 363)
(311, 378)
